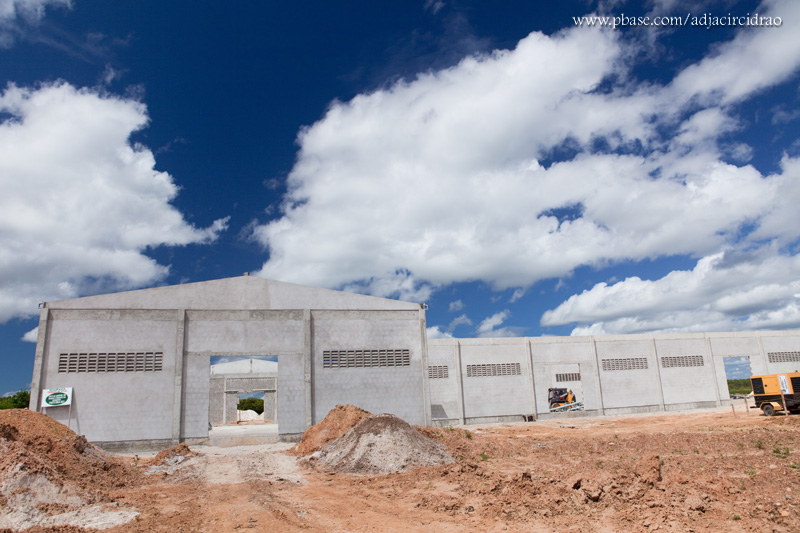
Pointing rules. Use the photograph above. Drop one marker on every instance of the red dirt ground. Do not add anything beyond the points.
(700, 471)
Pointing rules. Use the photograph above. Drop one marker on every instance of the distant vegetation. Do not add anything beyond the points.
(19, 400)
(256, 404)
(739, 386)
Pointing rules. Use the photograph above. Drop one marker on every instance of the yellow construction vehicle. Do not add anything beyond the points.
(776, 392)
(563, 400)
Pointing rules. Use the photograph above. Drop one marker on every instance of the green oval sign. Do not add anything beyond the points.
(57, 398)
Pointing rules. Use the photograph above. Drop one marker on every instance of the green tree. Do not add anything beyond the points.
(20, 400)
(255, 404)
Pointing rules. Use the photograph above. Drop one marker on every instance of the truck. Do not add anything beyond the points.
(776, 392)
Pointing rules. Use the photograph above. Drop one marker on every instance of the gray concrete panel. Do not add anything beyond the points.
(195, 397)
(495, 395)
(397, 390)
(685, 384)
(628, 388)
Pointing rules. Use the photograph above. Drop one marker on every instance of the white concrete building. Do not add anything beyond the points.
(139, 363)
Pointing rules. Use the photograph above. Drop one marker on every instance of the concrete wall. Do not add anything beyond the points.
(395, 389)
(114, 406)
(485, 380)
(618, 374)
(172, 403)
(445, 388)
(496, 395)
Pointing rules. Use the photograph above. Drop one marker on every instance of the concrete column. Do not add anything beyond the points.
(763, 354)
(654, 350)
(710, 358)
(426, 385)
(307, 365)
(178, 398)
(599, 380)
(532, 382)
(460, 378)
(38, 361)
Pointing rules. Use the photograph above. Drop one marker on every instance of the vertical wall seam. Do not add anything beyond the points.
(307, 362)
(599, 379)
(462, 414)
(178, 396)
(38, 362)
(658, 371)
(532, 388)
(710, 354)
(426, 385)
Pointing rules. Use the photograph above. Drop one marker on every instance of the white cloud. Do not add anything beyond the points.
(456, 306)
(32, 335)
(518, 293)
(79, 203)
(489, 326)
(435, 332)
(460, 320)
(30, 11)
(441, 178)
(729, 291)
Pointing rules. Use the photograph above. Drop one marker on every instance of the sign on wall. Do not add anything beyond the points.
(57, 397)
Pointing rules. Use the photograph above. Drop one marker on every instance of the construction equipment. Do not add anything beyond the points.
(561, 400)
(777, 392)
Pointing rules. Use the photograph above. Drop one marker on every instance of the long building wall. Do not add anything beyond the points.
(168, 401)
(609, 374)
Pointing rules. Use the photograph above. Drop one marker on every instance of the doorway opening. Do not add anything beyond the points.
(243, 391)
(737, 375)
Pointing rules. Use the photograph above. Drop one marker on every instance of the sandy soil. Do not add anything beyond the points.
(701, 471)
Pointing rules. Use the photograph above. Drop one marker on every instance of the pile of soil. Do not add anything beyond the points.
(179, 450)
(49, 475)
(335, 424)
(382, 444)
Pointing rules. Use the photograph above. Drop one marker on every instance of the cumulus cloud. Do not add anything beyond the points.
(28, 11)
(80, 204)
(489, 327)
(460, 320)
(32, 335)
(731, 290)
(456, 306)
(456, 175)
(435, 332)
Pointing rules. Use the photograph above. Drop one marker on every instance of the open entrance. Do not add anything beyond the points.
(243, 391)
(737, 374)
(566, 393)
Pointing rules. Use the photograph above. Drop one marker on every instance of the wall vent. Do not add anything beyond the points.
(784, 357)
(110, 362)
(365, 358)
(681, 361)
(573, 376)
(438, 372)
(626, 363)
(493, 369)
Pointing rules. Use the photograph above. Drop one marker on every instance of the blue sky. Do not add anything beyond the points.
(518, 173)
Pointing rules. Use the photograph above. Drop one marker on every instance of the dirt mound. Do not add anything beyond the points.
(179, 450)
(335, 424)
(382, 444)
(49, 475)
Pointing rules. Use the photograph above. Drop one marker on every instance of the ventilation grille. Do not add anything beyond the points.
(758, 385)
(365, 358)
(493, 369)
(574, 376)
(628, 363)
(678, 361)
(438, 372)
(784, 357)
(110, 362)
